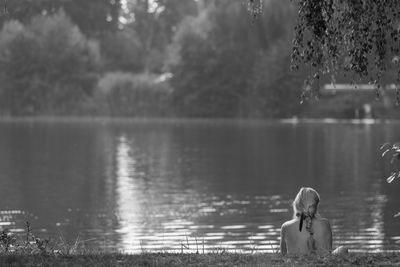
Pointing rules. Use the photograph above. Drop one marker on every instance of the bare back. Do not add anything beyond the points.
(295, 242)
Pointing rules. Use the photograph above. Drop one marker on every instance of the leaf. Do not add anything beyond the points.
(396, 145)
(391, 178)
(384, 146)
(384, 152)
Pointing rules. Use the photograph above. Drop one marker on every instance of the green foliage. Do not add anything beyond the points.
(154, 24)
(159, 18)
(11, 244)
(273, 89)
(225, 65)
(203, 81)
(122, 50)
(45, 67)
(29, 244)
(48, 66)
(91, 16)
(360, 38)
(125, 94)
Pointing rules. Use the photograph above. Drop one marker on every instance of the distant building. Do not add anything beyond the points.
(353, 88)
(361, 100)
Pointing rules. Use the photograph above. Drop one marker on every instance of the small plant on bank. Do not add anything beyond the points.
(7, 240)
(394, 151)
(11, 244)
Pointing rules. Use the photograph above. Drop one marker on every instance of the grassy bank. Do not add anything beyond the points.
(30, 250)
(224, 259)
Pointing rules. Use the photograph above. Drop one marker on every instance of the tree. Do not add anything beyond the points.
(273, 89)
(209, 67)
(122, 50)
(48, 66)
(92, 16)
(360, 38)
(155, 23)
(220, 61)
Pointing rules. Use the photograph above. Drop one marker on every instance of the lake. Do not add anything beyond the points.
(202, 185)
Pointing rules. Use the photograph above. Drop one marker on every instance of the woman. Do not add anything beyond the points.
(307, 232)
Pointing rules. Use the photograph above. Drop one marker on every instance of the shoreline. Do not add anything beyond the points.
(198, 120)
(186, 259)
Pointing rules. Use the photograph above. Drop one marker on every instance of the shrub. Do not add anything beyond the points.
(48, 66)
(126, 94)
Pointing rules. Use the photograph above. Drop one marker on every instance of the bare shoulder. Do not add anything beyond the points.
(325, 224)
(287, 224)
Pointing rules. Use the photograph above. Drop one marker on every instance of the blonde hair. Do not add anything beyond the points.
(305, 206)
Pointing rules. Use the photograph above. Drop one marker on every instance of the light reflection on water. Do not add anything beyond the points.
(203, 186)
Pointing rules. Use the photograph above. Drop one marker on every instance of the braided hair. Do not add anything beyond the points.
(305, 208)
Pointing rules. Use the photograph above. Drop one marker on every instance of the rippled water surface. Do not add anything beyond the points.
(137, 186)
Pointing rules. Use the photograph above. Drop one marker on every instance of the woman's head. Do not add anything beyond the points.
(306, 202)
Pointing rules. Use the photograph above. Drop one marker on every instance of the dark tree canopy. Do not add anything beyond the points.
(223, 65)
(359, 38)
(92, 16)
